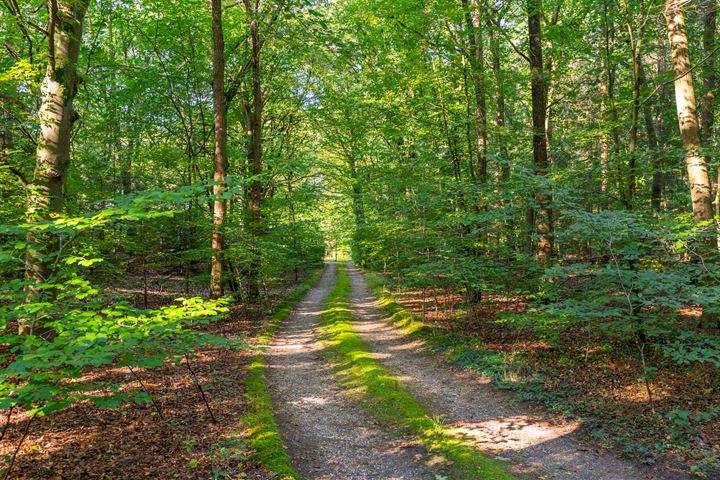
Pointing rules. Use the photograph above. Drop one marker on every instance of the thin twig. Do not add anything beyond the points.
(7, 422)
(144, 389)
(22, 440)
(197, 384)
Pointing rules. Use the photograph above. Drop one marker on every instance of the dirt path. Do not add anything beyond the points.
(531, 445)
(326, 435)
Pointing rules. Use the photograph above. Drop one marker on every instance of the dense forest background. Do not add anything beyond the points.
(537, 176)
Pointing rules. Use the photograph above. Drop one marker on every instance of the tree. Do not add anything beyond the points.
(46, 193)
(477, 55)
(710, 84)
(687, 111)
(255, 150)
(220, 154)
(542, 216)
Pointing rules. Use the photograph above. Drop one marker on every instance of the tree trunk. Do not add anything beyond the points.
(255, 155)
(6, 141)
(611, 106)
(469, 137)
(449, 134)
(631, 180)
(6, 134)
(499, 103)
(687, 112)
(358, 209)
(549, 87)
(478, 75)
(654, 146)
(543, 215)
(56, 116)
(220, 156)
(707, 112)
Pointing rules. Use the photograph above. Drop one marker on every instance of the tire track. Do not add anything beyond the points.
(328, 436)
(532, 445)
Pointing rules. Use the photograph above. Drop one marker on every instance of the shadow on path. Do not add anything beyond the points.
(472, 407)
(328, 436)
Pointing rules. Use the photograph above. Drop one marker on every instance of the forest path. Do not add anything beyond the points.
(328, 437)
(532, 445)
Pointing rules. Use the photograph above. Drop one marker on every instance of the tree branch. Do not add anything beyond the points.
(689, 70)
(509, 40)
(20, 175)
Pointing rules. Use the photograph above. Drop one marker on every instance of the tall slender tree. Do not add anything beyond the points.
(255, 150)
(220, 154)
(542, 216)
(477, 55)
(499, 95)
(687, 111)
(710, 84)
(46, 193)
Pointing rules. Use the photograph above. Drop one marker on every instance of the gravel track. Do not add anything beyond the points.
(327, 435)
(533, 446)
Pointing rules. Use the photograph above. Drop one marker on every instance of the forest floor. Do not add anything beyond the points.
(329, 436)
(133, 441)
(597, 387)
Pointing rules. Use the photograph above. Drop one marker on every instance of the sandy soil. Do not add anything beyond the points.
(533, 445)
(328, 436)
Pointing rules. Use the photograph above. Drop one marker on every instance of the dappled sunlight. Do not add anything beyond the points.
(472, 414)
(311, 400)
(509, 433)
(488, 231)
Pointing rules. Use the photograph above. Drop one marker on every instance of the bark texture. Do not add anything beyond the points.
(220, 155)
(477, 54)
(542, 218)
(255, 154)
(687, 112)
(499, 103)
(710, 81)
(46, 193)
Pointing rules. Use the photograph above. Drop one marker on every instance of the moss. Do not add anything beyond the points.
(261, 428)
(386, 398)
(459, 349)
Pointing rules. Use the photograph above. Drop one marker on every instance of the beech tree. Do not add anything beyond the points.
(255, 148)
(542, 215)
(56, 116)
(698, 178)
(220, 154)
(477, 53)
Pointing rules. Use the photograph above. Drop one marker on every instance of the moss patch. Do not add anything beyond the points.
(458, 348)
(388, 400)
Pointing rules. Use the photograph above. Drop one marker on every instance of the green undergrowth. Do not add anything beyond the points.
(387, 400)
(508, 372)
(505, 370)
(458, 348)
(263, 433)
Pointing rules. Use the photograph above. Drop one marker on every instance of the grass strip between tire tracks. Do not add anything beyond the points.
(387, 400)
(457, 348)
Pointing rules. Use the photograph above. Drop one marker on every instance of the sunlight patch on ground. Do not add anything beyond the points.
(509, 433)
(311, 400)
